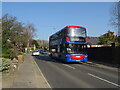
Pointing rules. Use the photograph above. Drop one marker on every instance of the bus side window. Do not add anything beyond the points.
(64, 48)
(64, 31)
(61, 48)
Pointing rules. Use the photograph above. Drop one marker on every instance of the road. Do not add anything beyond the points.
(76, 75)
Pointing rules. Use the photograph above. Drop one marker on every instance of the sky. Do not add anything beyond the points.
(59, 0)
(50, 17)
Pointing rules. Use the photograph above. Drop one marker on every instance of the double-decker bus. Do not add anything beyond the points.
(69, 44)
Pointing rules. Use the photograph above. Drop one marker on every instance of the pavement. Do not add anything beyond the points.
(27, 75)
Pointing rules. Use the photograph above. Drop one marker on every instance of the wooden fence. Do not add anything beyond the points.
(105, 54)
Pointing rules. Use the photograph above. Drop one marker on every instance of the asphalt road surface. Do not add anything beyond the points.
(76, 75)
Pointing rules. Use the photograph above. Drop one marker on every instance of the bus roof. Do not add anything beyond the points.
(74, 26)
(68, 26)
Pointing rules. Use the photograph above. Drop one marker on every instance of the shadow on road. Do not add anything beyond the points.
(49, 59)
(46, 58)
(105, 63)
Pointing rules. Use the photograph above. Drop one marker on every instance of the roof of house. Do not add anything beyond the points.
(93, 40)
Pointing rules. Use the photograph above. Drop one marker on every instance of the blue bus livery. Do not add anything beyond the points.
(69, 44)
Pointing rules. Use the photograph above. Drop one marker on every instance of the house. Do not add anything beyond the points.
(93, 42)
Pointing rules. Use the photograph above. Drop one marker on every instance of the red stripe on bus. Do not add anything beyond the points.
(75, 26)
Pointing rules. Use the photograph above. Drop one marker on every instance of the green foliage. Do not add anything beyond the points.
(15, 36)
(35, 43)
(118, 39)
(8, 53)
(5, 64)
(107, 38)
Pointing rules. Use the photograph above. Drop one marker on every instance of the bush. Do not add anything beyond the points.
(9, 56)
(24, 54)
(5, 64)
(32, 49)
(7, 53)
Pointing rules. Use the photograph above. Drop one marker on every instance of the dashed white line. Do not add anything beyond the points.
(68, 66)
(104, 80)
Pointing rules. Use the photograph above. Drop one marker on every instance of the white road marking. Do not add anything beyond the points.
(42, 74)
(104, 80)
(68, 66)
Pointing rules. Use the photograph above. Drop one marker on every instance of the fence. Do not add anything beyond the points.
(104, 54)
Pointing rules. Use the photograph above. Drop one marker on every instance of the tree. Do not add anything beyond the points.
(107, 38)
(44, 44)
(115, 12)
(0, 36)
(34, 42)
(29, 31)
(12, 33)
(15, 35)
(115, 19)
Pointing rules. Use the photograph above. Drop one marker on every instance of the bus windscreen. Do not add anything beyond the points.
(76, 32)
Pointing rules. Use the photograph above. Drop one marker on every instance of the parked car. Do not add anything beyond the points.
(36, 53)
(43, 52)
